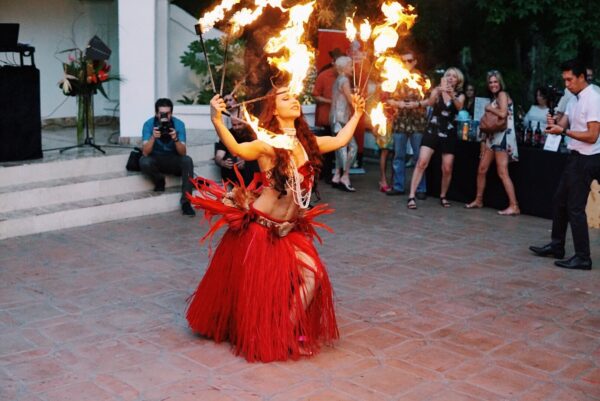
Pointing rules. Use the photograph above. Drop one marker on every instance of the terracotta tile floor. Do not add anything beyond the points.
(433, 304)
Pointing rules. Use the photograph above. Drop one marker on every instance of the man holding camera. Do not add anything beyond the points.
(164, 151)
(581, 123)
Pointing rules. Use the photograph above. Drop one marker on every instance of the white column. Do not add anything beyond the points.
(162, 50)
(137, 64)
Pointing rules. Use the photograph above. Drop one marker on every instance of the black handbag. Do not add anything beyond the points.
(133, 163)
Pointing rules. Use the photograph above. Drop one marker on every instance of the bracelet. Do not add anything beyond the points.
(564, 132)
(176, 140)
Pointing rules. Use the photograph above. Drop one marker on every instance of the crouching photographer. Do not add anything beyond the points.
(164, 151)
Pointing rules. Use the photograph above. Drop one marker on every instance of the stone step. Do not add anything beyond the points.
(39, 171)
(89, 211)
(71, 193)
(93, 186)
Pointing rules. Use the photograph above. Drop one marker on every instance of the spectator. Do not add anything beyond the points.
(322, 93)
(164, 151)
(500, 146)
(226, 161)
(538, 112)
(446, 100)
(470, 100)
(338, 117)
(409, 124)
(384, 142)
(581, 123)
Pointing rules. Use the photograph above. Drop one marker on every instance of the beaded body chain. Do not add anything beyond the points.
(294, 181)
(294, 184)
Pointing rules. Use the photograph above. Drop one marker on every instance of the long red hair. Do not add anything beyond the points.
(268, 120)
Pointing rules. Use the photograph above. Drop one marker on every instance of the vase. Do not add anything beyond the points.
(85, 117)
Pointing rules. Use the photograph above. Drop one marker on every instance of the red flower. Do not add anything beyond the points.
(102, 75)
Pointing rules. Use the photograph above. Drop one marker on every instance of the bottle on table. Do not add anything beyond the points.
(529, 135)
(465, 130)
(538, 136)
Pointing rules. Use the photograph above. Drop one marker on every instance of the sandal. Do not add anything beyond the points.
(444, 202)
(411, 203)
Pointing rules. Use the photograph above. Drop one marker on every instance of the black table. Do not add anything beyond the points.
(535, 177)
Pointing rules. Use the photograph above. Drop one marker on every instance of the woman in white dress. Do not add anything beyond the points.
(500, 146)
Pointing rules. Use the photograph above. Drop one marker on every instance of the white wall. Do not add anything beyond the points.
(51, 26)
(181, 33)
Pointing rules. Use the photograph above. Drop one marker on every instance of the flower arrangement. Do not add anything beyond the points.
(83, 76)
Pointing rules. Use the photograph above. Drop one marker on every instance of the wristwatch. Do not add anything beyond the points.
(564, 132)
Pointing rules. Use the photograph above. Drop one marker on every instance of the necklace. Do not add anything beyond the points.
(294, 184)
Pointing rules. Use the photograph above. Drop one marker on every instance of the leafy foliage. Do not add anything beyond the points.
(215, 51)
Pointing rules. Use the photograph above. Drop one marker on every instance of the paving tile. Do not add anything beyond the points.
(14, 343)
(150, 374)
(388, 380)
(435, 358)
(432, 305)
(502, 382)
(85, 391)
(37, 370)
(265, 379)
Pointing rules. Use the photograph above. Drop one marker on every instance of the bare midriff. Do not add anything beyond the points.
(280, 208)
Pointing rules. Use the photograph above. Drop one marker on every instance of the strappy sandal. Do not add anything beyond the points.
(411, 203)
(444, 202)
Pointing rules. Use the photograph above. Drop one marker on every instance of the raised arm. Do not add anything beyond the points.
(247, 150)
(430, 101)
(331, 143)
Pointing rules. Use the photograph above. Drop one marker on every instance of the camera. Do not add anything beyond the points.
(164, 127)
(554, 95)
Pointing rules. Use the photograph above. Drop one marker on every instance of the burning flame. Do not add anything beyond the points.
(386, 35)
(262, 134)
(395, 15)
(246, 16)
(394, 73)
(378, 119)
(386, 38)
(250, 119)
(365, 30)
(297, 58)
(216, 14)
(350, 29)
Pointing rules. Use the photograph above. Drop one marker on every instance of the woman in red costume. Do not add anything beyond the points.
(266, 290)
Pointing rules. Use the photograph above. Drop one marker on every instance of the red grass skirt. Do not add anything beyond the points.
(250, 294)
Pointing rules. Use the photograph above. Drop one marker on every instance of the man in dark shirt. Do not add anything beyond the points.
(164, 151)
(226, 161)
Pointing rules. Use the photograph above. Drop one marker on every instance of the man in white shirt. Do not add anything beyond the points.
(581, 123)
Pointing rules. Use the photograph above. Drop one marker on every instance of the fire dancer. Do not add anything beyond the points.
(266, 290)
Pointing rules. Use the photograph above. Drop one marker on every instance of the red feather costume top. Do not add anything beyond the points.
(253, 292)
